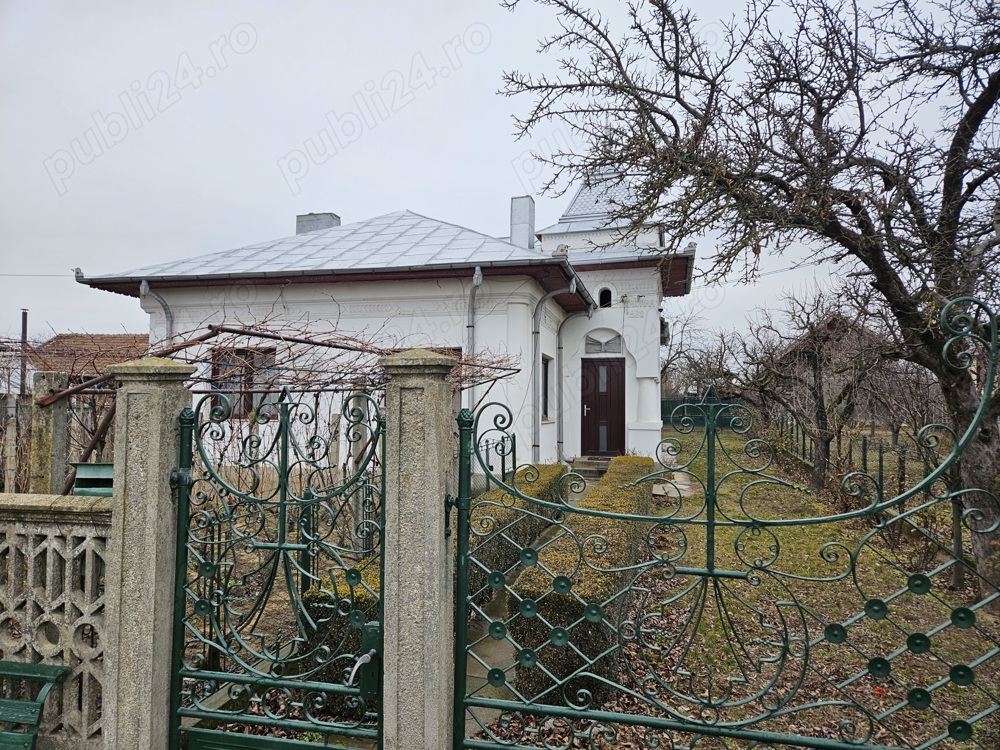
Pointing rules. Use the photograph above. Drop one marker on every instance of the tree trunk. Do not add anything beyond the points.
(821, 461)
(824, 436)
(978, 470)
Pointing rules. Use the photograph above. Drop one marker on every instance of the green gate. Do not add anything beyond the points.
(276, 634)
(708, 602)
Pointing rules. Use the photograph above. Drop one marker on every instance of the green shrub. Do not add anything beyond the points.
(501, 524)
(589, 552)
(339, 609)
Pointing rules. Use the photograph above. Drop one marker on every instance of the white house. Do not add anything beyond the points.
(582, 320)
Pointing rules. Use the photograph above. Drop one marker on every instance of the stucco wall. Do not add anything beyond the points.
(424, 313)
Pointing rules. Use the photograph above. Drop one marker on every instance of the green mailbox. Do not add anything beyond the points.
(93, 480)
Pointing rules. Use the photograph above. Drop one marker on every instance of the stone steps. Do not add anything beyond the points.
(590, 467)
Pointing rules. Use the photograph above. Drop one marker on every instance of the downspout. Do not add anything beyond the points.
(536, 365)
(470, 333)
(560, 427)
(144, 290)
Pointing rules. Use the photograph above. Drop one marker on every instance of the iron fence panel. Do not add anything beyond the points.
(743, 614)
(278, 574)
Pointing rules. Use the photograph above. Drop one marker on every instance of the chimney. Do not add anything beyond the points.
(522, 221)
(315, 222)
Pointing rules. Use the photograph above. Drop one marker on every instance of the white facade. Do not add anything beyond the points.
(433, 312)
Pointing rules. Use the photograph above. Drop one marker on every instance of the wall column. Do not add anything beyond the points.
(142, 546)
(49, 435)
(644, 433)
(518, 386)
(648, 402)
(417, 589)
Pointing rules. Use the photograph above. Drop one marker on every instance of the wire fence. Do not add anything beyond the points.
(895, 465)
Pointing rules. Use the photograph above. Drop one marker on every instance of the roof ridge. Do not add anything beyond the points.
(485, 236)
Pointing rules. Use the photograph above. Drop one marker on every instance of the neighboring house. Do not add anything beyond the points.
(582, 322)
(83, 356)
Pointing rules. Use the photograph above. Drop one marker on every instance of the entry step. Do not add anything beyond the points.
(591, 467)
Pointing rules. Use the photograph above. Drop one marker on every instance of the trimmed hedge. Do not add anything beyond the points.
(591, 632)
(501, 524)
(332, 607)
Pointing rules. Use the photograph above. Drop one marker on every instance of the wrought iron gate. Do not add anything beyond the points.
(276, 634)
(730, 625)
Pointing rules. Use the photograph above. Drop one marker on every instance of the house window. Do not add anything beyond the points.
(604, 298)
(246, 376)
(546, 380)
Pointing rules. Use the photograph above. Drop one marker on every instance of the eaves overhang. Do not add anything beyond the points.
(676, 270)
(551, 274)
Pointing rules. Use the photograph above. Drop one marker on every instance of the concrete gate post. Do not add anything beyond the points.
(49, 435)
(142, 546)
(417, 590)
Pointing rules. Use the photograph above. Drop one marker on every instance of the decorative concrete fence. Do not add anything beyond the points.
(52, 610)
(82, 579)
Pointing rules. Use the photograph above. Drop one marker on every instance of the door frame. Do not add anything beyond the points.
(616, 439)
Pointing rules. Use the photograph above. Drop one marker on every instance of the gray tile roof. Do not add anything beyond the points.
(598, 199)
(592, 208)
(396, 241)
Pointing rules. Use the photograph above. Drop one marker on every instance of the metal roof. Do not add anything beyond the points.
(399, 244)
(592, 208)
(397, 240)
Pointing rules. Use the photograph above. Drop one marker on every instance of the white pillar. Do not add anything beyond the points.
(644, 432)
(518, 391)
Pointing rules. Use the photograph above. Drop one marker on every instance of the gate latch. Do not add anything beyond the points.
(368, 666)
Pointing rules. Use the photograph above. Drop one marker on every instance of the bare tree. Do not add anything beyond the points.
(904, 397)
(682, 328)
(869, 135)
(810, 359)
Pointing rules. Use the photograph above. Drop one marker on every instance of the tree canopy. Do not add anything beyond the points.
(867, 133)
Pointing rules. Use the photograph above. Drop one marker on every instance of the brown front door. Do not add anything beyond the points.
(602, 413)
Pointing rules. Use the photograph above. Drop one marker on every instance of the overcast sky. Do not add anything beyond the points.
(134, 133)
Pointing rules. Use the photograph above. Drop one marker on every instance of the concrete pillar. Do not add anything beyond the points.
(142, 546)
(644, 434)
(49, 435)
(10, 446)
(418, 627)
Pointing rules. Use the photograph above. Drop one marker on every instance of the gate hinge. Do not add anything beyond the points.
(180, 478)
(449, 503)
